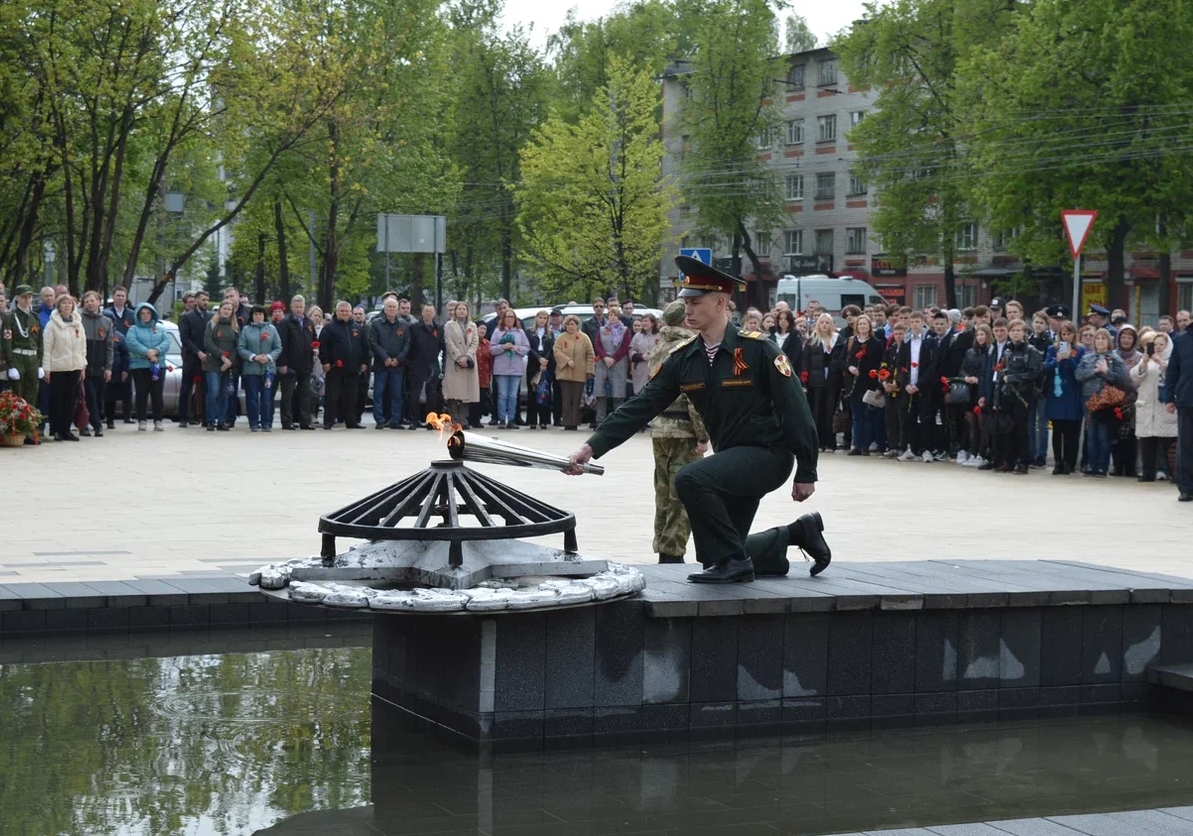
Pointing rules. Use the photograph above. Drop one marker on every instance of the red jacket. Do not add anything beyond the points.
(484, 363)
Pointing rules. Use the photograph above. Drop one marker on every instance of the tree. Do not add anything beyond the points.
(798, 36)
(1082, 106)
(502, 89)
(911, 144)
(644, 33)
(732, 88)
(593, 200)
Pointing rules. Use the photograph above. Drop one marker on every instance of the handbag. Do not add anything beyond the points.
(1108, 398)
(542, 390)
(874, 398)
(842, 421)
(959, 392)
(82, 414)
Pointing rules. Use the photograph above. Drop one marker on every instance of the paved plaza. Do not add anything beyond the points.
(187, 502)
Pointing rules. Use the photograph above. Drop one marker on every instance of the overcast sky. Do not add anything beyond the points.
(547, 15)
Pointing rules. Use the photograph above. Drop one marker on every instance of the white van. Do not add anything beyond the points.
(832, 294)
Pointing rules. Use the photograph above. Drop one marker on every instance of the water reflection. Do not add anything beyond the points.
(200, 744)
(279, 742)
(826, 784)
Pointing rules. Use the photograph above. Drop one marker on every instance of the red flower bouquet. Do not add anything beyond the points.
(803, 377)
(339, 364)
(873, 374)
(17, 417)
(315, 344)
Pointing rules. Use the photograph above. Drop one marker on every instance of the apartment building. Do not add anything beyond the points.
(828, 207)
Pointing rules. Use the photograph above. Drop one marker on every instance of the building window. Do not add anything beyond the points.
(828, 72)
(795, 187)
(967, 295)
(685, 147)
(824, 242)
(925, 296)
(856, 117)
(762, 244)
(793, 242)
(966, 238)
(765, 140)
(1003, 238)
(795, 77)
(1184, 295)
(826, 185)
(795, 132)
(826, 128)
(685, 211)
(856, 184)
(855, 240)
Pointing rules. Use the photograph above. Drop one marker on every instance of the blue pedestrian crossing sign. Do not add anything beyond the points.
(701, 254)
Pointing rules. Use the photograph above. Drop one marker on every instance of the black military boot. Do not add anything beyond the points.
(670, 558)
(806, 535)
(727, 571)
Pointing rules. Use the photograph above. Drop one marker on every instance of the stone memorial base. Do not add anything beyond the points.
(866, 644)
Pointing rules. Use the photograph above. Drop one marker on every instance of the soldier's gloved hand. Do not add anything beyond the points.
(13, 374)
(41, 373)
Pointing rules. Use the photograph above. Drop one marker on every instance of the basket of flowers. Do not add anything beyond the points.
(18, 420)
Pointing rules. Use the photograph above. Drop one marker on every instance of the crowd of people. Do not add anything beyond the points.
(989, 387)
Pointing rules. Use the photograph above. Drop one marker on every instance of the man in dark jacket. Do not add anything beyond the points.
(191, 326)
(100, 332)
(297, 334)
(916, 377)
(344, 352)
(390, 341)
(426, 344)
(1179, 383)
(121, 387)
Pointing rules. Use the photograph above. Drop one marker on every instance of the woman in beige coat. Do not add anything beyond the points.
(460, 382)
(574, 357)
(64, 345)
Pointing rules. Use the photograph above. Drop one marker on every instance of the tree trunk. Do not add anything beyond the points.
(283, 264)
(950, 285)
(507, 259)
(331, 253)
(1165, 268)
(417, 297)
(259, 289)
(1116, 250)
(756, 295)
(27, 230)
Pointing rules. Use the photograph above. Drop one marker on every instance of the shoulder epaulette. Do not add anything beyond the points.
(684, 342)
(751, 335)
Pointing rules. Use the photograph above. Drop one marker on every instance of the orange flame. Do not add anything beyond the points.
(443, 422)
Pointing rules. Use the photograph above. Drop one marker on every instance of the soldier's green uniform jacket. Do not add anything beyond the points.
(747, 397)
(22, 338)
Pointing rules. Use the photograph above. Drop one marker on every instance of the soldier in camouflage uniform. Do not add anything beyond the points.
(21, 344)
(677, 437)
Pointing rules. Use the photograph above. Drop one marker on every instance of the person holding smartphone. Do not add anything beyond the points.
(1155, 426)
(1063, 405)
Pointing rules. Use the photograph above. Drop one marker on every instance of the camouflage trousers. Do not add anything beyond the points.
(671, 525)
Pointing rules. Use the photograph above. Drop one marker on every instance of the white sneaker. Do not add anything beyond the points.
(1161, 476)
(891, 454)
(873, 446)
(927, 457)
(141, 426)
(907, 456)
(941, 456)
(975, 461)
(962, 457)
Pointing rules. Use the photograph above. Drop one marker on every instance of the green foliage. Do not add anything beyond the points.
(732, 90)
(911, 144)
(593, 201)
(797, 35)
(1082, 106)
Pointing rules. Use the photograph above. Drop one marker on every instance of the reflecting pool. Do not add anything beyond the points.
(282, 741)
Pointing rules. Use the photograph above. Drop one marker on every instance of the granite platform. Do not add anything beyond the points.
(865, 644)
(1168, 821)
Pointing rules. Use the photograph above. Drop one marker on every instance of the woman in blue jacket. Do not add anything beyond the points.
(147, 345)
(1064, 405)
(258, 347)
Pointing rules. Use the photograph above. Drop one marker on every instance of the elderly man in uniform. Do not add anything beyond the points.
(22, 348)
(760, 425)
(677, 438)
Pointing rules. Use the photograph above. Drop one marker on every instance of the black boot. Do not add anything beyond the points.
(806, 534)
(670, 558)
(727, 571)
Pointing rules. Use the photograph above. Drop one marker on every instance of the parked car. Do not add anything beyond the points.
(832, 293)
